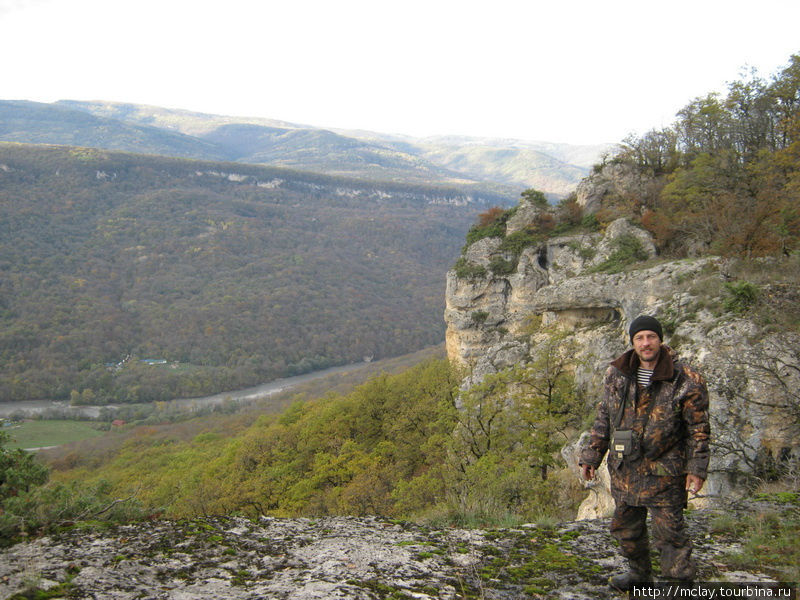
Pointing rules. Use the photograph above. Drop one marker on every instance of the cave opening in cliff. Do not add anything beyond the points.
(541, 257)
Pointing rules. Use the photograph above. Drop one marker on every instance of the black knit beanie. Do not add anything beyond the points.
(646, 323)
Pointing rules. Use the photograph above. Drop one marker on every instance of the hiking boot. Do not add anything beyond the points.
(624, 582)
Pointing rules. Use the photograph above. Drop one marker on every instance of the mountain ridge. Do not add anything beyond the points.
(28, 122)
(420, 158)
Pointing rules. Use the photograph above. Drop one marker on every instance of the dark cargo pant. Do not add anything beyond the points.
(629, 528)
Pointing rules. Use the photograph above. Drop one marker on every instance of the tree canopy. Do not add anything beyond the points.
(725, 177)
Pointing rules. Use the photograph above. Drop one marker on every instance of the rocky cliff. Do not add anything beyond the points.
(580, 283)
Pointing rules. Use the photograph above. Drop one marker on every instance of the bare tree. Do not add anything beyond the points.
(761, 387)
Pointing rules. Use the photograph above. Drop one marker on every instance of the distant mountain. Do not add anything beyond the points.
(39, 123)
(184, 121)
(552, 167)
(323, 151)
(584, 155)
(234, 273)
(508, 165)
(256, 141)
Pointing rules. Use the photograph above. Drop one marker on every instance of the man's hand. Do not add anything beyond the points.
(694, 483)
(588, 472)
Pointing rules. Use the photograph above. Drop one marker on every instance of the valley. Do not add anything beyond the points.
(129, 280)
(240, 274)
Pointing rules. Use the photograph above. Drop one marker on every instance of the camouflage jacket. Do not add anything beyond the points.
(669, 418)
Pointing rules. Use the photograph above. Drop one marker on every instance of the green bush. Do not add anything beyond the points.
(48, 507)
(496, 229)
(535, 197)
(518, 241)
(628, 250)
(742, 295)
(467, 270)
(28, 504)
(491, 224)
(590, 222)
(480, 316)
(585, 251)
(500, 266)
(19, 471)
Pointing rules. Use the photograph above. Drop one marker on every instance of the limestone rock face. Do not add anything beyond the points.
(619, 229)
(488, 329)
(611, 179)
(481, 251)
(487, 314)
(526, 214)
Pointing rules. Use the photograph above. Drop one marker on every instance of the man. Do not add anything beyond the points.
(654, 415)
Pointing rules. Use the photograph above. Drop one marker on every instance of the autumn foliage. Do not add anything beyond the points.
(490, 216)
(725, 177)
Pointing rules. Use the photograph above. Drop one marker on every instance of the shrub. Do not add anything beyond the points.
(741, 296)
(500, 266)
(19, 471)
(535, 197)
(490, 217)
(479, 316)
(467, 270)
(590, 222)
(628, 250)
(585, 251)
(518, 241)
(659, 225)
(569, 212)
(491, 223)
(48, 507)
(544, 222)
(29, 504)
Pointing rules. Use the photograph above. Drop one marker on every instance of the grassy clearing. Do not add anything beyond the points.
(37, 434)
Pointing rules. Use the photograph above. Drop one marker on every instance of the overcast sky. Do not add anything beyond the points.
(578, 71)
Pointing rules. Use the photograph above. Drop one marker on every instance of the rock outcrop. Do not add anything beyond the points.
(610, 181)
(341, 557)
(486, 316)
(564, 282)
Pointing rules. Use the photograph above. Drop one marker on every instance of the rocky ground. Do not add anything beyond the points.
(334, 557)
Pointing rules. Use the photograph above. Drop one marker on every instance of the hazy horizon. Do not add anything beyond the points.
(581, 73)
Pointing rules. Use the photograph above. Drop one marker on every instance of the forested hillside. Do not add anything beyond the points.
(232, 274)
(386, 448)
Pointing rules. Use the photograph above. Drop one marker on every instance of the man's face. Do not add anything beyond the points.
(646, 344)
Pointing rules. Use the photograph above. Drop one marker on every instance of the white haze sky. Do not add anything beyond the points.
(577, 71)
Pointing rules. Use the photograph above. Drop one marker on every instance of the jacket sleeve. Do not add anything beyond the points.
(601, 430)
(695, 415)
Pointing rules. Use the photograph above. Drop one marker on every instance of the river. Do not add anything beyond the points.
(35, 407)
